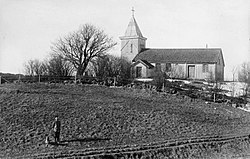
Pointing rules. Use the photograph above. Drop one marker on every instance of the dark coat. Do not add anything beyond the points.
(57, 126)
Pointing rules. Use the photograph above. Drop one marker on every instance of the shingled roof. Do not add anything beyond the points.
(206, 55)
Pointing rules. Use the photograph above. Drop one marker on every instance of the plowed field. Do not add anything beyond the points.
(98, 116)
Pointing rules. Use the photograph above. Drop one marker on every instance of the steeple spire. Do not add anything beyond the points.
(133, 29)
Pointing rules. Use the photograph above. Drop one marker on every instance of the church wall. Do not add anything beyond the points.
(199, 74)
(185, 70)
(220, 69)
(181, 71)
(178, 70)
(212, 71)
(220, 72)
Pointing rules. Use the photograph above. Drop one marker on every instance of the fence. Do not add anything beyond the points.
(110, 81)
(32, 79)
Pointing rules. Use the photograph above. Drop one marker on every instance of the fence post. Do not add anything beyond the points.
(214, 97)
(163, 86)
(0, 79)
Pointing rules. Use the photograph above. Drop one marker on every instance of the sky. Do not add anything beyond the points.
(28, 28)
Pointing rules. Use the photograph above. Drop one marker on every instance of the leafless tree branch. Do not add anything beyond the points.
(82, 46)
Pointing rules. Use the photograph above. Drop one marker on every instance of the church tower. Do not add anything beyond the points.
(133, 41)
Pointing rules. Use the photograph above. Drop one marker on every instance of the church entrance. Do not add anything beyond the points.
(191, 71)
(138, 72)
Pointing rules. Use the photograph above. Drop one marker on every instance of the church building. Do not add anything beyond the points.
(196, 63)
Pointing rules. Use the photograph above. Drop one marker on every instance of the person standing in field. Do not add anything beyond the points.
(56, 129)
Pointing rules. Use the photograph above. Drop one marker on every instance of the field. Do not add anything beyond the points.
(99, 116)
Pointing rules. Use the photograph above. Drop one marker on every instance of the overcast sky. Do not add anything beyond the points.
(28, 27)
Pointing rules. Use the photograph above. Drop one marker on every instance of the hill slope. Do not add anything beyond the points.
(123, 115)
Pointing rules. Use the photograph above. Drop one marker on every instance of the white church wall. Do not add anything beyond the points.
(220, 72)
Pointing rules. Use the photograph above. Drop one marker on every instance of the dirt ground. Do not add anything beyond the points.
(99, 116)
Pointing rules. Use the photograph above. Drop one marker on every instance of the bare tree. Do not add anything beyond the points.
(82, 46)
(40, 67)
(102, 67)
(244, 76)
(29, 68)
(111, 66)
(35, 67)
(177, 71)
(124, 68)
(234, 71)
(159, 78)
(233, 84)
(58, 66)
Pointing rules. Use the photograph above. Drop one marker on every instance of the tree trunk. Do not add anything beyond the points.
(246, 91)
(81, 69)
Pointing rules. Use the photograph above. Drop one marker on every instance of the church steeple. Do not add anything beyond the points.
(133, 29)
(133, 41)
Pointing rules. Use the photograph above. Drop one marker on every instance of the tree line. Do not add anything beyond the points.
(84, 51)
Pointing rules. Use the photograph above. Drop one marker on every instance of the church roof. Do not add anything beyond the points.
(144, 62)
(133, 29)
(206, 55)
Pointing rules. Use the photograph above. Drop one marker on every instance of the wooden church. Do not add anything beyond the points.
(196, 63)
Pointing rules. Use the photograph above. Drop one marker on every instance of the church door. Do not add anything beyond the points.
(138, 72)
(191, 71)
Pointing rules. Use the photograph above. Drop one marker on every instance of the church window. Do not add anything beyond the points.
(131, 48)
(138, 72)
(205, 68)
(168, 67)
(142, 46)
(158, 66)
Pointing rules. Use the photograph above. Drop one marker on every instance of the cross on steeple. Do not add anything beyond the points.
(133, 11)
